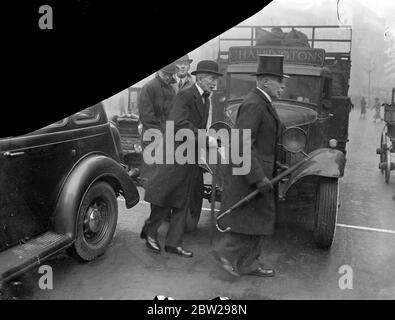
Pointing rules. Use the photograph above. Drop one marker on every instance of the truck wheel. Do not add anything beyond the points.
(97, 220)
(326, 212)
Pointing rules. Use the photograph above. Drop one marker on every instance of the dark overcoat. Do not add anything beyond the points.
(154, 104)
(172, 184)
(256, 217)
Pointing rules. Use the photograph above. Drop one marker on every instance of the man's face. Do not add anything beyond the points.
(166, 77)
(182, 68)
(273, 86)
(208, 82)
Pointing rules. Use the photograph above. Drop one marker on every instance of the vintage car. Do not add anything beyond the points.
(58, 190)
(130, 131)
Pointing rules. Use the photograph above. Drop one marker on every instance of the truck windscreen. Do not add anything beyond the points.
(297, 87)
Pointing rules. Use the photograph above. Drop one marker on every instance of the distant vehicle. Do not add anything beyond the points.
(58, 189)
(130, 129)
(315, 100)
(387, 140)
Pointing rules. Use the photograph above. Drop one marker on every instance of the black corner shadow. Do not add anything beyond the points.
(96, 50)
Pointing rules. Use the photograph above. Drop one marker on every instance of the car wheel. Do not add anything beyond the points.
(97, 220)
(326, 212)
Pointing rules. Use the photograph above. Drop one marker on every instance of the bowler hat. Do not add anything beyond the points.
(170, 68)
(271, 65)
(184, 58)
(207, 66)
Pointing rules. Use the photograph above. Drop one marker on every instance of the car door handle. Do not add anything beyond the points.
(13, 154)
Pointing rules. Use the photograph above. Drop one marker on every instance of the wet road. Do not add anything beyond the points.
(365, 241)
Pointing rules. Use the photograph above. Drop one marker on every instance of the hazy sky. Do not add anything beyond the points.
(327, 8)
(314, 12)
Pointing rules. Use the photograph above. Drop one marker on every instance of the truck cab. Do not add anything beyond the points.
(318, 85)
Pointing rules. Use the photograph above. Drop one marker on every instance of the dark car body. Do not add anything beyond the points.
(45, 177)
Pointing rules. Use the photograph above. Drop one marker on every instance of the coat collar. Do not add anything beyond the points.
(269, 104)
(265, 94)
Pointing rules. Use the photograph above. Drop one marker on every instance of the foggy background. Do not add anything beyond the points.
(373, 41)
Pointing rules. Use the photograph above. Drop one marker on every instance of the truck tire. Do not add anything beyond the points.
(97, 221)
(326, 209)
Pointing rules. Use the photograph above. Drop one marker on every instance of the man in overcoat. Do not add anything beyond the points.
(184, 80)
(239, 250)
(172, 185)
(154, 105)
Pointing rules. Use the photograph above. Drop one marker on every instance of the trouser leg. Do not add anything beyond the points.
(177, 226)
(241, 250)
(250, 260)
(157, 216)
(228, 245)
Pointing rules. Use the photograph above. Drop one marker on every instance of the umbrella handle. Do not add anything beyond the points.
(273, 181)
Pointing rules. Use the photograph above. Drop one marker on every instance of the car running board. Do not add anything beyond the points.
(18, 259)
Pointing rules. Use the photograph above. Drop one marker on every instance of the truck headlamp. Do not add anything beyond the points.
(294, 140)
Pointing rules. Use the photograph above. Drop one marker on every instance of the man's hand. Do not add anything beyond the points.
(264, 185)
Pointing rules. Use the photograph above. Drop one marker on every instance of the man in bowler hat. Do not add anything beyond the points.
(172, 185)
(238, 250)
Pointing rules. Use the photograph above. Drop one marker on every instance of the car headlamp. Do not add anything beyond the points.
(137, 147)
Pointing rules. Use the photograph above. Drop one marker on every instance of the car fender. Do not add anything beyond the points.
(323, 162)
(92, 168)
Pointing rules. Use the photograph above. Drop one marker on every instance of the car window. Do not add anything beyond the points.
(89, 115)
(56, 124)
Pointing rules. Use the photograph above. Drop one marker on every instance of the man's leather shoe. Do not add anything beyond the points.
(180, 251)
(261, 272)
(152, 244)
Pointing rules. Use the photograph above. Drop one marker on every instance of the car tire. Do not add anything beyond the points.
(326, 210)
(97, 221)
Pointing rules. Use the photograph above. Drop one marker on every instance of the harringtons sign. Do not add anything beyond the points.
(248, 54)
